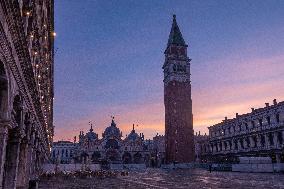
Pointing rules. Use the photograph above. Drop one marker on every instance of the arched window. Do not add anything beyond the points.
(280, 138)
(253, 124)
(278, 118)
(260, 122)
(268, 120)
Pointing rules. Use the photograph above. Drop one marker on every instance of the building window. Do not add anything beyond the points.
(242, 143)
(236, 144)
(268, 120)
(280, 138)
(278, 118)
(271, 139)
(253, 124)
(262, 140)
(260, 122)
(248, 142)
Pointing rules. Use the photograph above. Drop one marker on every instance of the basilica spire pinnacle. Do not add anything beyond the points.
(175, 36)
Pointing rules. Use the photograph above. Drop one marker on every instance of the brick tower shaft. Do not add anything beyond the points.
(179, 135)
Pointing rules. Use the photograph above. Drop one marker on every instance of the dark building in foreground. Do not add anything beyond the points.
(179, 134)
(26, 89)
(259, 133)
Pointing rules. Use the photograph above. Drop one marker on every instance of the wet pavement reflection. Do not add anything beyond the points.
(171, 179)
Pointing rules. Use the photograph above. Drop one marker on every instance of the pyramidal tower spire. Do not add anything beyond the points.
(175, 36)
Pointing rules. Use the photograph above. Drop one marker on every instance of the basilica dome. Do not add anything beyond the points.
(133, 136)
(91, 136)
(112, 131)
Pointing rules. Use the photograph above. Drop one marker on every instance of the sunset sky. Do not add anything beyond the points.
(110, 56)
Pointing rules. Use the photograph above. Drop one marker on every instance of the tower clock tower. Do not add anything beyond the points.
(179, 135)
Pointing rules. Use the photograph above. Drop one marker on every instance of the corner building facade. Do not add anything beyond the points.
(26, 90)
(179, 134)
(259, 133)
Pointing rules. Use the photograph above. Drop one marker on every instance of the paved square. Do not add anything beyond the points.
(157, 178)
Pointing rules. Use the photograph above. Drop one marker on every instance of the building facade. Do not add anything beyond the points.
(26, 89)
(259, 133)
(63, 152)
(111, 148)
(179, 134)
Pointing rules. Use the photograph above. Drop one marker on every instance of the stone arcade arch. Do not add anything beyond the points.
(96, 157)
(84, 157)
(13, 146)
(112, 155)
(126, 158)
(138, 158)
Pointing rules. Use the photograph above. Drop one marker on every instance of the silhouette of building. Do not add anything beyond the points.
(26, 89)
(179, 136)
(111, 148)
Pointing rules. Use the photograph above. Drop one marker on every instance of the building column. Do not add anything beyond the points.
(245, 143)
(219, 147)
(258, 141)
(239, 145)
(228, 145)
(275, 140)
(278, 158)
(213, 148)
(252, 144)
(22, 177)
(3, 143)
(12, 159)
(233, 145)
(267, 144)
(223, 146)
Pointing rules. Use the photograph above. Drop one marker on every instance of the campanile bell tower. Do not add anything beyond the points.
(179, 135)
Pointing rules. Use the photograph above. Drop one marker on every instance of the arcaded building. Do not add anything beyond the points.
(111, 148)
(26, 89)
(259, 133)
(179, 134)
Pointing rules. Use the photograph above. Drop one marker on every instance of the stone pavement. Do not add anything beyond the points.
(172, 179)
